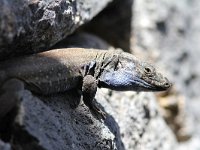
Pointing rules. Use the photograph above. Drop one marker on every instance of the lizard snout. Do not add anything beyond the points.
(160, 82)
(167, 84)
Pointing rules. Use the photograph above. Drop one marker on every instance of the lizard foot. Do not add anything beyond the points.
(89, 89)
(98, 112)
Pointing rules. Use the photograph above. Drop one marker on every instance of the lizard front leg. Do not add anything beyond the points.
(89, 89)
(10, 94)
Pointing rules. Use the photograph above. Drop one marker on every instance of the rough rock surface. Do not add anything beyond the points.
(59, 126)
(32, 25)
(168, 33)
(138, 118)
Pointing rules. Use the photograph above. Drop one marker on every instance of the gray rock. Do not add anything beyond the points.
(168, 33)
(30, 26)
(164, 31)
(113, 24)
(132, 123)
(4, 146)
(138, 118)
(52, 124)
(193, 143)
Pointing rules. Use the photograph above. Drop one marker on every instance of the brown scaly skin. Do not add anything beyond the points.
(60, 70)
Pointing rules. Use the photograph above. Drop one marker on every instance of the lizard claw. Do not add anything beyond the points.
(97, 111)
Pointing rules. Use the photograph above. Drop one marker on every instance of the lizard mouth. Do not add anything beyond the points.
(155, 85)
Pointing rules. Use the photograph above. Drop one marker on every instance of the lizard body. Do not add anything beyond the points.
(49, 72)
(86, 69)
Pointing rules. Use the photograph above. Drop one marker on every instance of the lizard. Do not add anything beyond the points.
(59, 70)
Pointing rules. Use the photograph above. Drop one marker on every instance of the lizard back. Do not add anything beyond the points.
(51, 71)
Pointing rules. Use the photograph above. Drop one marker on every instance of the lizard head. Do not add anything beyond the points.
(148, 77)
(131, 74)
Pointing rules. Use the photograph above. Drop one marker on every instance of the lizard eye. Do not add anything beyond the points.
(147, 70)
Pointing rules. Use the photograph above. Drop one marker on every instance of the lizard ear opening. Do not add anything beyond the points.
(147, 70)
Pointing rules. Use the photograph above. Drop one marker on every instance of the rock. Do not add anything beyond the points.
(193, 143)
(114, 23)
(30, 26)
(4, 146)
(52, 124)
(174, 44)
(167, 32)
(138, 118)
